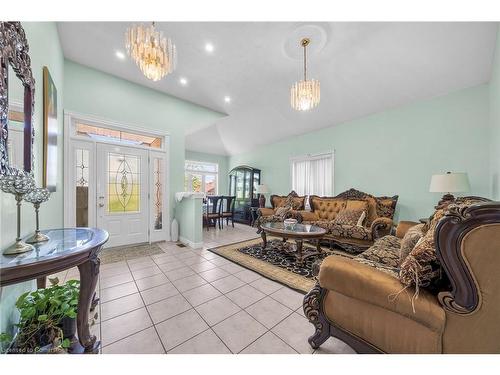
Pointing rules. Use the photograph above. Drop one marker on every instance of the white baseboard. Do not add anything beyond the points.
(191, 244)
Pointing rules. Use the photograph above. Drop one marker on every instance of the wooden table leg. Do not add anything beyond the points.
(318, 246)
(298, 250)
(264, 239)
(89, 272)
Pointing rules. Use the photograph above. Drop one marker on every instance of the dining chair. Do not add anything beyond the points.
(213, 213)
(228, 209)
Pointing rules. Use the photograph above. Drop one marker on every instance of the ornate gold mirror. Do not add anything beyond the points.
(17, 93)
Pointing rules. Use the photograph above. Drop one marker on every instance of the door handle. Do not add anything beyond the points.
(101, 204)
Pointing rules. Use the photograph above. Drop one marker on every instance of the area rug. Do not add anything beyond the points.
(275, 264)
(120, 253)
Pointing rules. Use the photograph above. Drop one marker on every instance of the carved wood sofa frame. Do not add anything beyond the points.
(462, 296)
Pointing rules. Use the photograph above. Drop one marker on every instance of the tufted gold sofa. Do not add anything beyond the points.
(378, 222)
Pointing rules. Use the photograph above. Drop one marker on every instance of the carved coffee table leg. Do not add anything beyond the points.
(89, 272)
(318, 246)
(298, 250)
(264, 239)
(314, 313)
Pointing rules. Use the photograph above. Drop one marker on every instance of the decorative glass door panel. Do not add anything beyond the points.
(124, 183)
(122, 194)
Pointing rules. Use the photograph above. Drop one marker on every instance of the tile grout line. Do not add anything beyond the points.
(192, 307)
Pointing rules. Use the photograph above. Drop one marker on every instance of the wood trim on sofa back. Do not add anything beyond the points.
(464, 296)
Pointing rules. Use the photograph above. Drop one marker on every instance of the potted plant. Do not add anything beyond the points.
(47, 320)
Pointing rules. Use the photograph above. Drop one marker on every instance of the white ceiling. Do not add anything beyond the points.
(363, 68)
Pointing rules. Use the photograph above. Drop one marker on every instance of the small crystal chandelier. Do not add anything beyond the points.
(155, 55)
(305, 94)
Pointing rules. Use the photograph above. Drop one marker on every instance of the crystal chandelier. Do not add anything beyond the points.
(155, 55)
(305, 94)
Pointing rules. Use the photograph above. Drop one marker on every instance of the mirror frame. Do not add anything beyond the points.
(14, 52)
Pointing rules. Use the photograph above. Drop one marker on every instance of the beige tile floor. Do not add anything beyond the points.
(193, 301)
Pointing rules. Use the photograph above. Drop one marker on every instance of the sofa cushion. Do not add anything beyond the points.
(410, 239)
(361, 282)
(327, 208)
(350, 231)
(298, 203)
(388, 331)
(384, 251)
(348, 217)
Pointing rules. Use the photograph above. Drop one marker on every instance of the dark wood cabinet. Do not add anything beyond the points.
(243, 182)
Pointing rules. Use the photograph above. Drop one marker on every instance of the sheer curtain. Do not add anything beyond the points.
(313, 175)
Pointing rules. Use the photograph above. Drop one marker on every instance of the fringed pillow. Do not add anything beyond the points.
(410, 239)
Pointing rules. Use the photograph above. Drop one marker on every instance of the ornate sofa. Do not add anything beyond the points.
(352, 238)
(364, 303)
(278, 201)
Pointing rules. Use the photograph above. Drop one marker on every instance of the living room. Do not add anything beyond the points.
(249, 187)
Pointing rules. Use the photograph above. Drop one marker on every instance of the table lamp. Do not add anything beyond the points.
(261, 190)
(449, 183)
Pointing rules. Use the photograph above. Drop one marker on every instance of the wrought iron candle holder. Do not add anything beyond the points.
(19, 183)
(37, 197)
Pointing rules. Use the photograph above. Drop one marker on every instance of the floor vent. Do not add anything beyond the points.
(181, 245)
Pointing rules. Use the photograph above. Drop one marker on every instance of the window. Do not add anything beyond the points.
(99, 133)
(201, 177)
(312, 174)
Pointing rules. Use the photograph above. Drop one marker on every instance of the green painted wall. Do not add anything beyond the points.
(92, 92)
(223, 162)
(45, 50)
(495, 124)
(394, 152)
(189, 211)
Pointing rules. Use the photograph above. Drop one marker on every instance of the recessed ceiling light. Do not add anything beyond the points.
(120, 55)
(183, 81)
(209, 47)
(227, 99)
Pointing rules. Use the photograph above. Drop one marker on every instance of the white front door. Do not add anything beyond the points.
(122, 194)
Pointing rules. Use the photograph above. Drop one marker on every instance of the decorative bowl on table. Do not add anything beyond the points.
(289, 224)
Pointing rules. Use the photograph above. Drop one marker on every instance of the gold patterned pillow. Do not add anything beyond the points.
(410, 239)
(348, 217)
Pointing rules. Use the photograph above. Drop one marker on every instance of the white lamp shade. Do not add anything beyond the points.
(262, 189)
(449, 183)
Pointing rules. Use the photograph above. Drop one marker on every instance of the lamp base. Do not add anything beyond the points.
(445, 200)
(262, 201)
(18, 248)
(37, 237)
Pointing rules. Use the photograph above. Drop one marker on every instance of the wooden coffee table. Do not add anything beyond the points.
(298, 233)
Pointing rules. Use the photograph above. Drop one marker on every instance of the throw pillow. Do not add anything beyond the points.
(348, 217)
(410, 239)
(421, 267)
(361, 219)
(281, 211)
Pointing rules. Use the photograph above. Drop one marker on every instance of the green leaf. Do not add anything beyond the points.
(42, 318)
(66, 343)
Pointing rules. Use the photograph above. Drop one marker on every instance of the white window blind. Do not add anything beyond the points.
(313, 174)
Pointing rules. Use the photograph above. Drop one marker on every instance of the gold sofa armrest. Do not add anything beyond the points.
(365, 283)
(265, 211)
(403, 227)
(380, 227)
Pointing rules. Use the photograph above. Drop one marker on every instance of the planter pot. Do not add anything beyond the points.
(68, 326)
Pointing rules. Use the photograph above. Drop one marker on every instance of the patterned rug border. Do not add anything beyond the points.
(297, 282)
